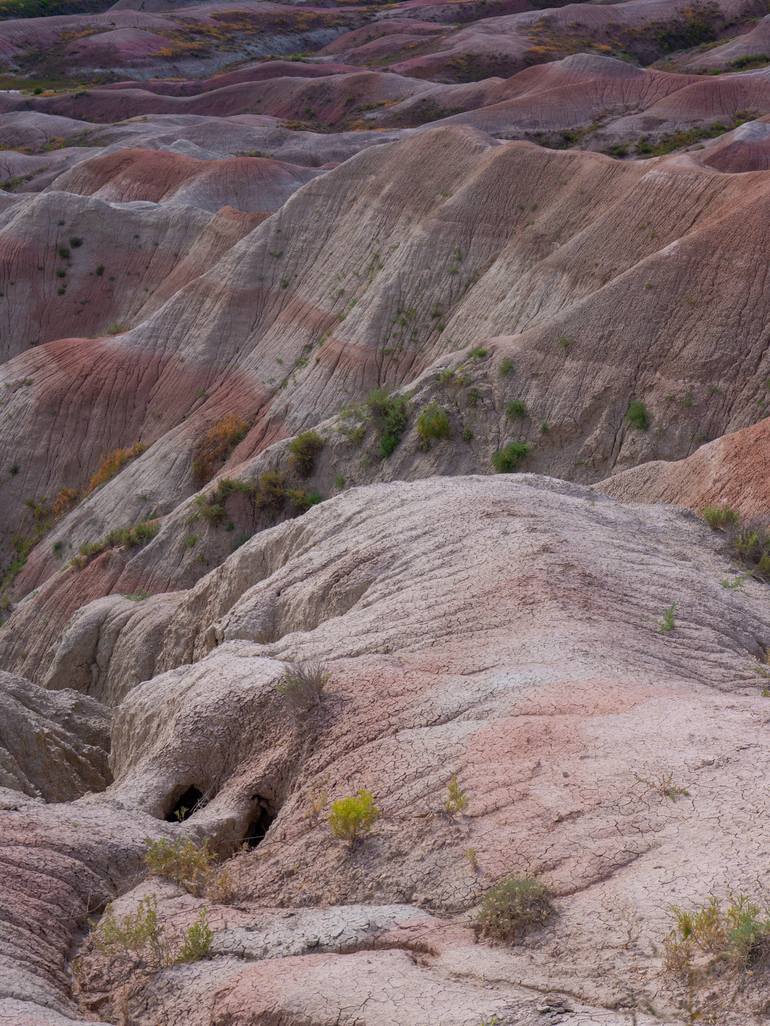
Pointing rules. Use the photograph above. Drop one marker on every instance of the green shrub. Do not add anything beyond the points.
(301, 500)
(478, 353)
(302, 686)
(516, 409)
(637, 415)
(303, 451)
(433, 425)
(506, 366)
(352, 818)
(512, 907)
(718, 517)
(507, 459)
(390, 414)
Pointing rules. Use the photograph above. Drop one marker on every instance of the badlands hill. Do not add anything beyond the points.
(406, 344)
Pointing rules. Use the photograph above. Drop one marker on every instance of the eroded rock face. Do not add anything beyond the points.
(503, 629)
(53, 744)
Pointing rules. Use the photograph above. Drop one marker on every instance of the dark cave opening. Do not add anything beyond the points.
(185, 805)
(260, 823)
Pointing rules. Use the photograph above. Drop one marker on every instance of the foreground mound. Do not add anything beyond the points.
(589, 683)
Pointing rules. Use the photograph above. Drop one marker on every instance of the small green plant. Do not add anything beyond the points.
(121, 537)
(339, 482)
(734, 583)
(720, 517)
(507, 459)
(506, 367)
(456, 799)
(664, 785)
(197, 941)
(467, 435)
(137, 935)
(478, 353)
(736, 933)
(512, 907)
(138, 939)
(116, 328)
(637, 415)
(472, 858)
(516, 409)
(433, 425)
(352, 818)
(302, 685)
(668, 620)
(303, 452)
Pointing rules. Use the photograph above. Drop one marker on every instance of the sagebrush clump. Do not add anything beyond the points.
(719, 517)
(512, 907)
(507, 459)
(303, 452)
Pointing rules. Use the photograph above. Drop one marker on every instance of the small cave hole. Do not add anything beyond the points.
(185, 805)
(260, 823)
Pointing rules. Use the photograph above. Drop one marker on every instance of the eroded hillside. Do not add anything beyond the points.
(382, 420)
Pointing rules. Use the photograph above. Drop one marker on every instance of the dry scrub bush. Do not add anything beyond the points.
(716, 943)
(112, 463)
(216, 445)
(513, 906)
(190, 866)
(302, 686)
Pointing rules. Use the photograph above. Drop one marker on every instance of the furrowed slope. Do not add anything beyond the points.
(590, 276)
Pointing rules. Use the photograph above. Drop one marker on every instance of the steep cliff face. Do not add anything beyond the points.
(365, 372)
